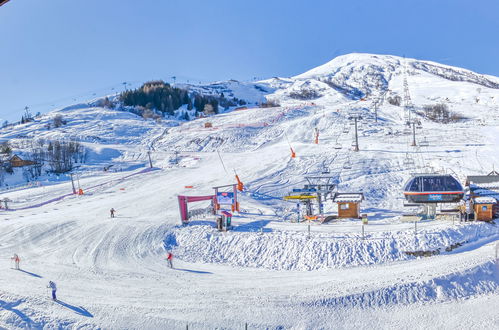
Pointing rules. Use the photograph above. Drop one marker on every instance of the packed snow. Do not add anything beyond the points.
(269, 271)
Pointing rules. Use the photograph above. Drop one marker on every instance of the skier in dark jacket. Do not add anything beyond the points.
(112, 211)
(53, 287)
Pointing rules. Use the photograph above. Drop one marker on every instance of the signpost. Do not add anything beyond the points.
(225, 198)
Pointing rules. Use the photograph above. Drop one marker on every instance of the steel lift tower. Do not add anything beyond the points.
(408, 106)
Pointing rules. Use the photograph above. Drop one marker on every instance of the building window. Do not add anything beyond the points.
(484, 208)
(345, 206)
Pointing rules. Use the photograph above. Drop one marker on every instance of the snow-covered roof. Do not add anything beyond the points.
(348, 197)
(483, 180)
(485, 200)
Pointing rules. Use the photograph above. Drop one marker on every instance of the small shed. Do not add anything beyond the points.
(16, 161)
(348, 204)
(484, 208)
(484, 188)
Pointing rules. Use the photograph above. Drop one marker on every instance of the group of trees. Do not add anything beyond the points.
(440, 113)
(162, 97)
(305, 94)
(52, 156)
(394, 100)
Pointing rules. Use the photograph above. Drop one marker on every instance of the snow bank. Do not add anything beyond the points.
(286, 250)
(482, 279)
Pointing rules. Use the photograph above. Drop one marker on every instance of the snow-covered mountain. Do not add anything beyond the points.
(268, 271)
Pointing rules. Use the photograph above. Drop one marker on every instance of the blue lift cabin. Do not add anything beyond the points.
(433, 188)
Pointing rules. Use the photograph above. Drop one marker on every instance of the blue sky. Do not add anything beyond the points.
(58, 52)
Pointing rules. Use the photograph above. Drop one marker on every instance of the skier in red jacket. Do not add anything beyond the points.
(16, 260)
(169, 257)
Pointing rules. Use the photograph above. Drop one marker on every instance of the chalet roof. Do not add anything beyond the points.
(348, 197)
(479, 180)
(485, 200)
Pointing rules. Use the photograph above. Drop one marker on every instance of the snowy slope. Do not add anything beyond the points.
(112, 273)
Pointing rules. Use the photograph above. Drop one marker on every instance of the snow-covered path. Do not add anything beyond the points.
(112, 273)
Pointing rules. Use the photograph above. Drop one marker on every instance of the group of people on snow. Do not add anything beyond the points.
(51, 285)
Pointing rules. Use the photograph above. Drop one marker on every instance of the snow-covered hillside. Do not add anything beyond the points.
(269, 271)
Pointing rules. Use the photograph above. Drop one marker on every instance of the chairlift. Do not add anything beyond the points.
(337, 146)
(406, 131)
(347, 165)
(424, 143)
(354, 144)
(408, 161)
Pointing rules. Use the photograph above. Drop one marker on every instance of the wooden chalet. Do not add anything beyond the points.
(484, 194)
(483, 207)
(348, 204)
(16, 161)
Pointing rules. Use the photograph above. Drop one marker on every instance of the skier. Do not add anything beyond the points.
(54, 289)
(112, 211)
(16, 260)
(169, 257)
(468, 210)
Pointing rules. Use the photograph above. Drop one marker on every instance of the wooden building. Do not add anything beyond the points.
(348, 204)
(16, 161)
(484, 194)
(483, 208)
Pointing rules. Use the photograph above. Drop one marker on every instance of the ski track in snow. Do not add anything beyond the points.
(112, 273)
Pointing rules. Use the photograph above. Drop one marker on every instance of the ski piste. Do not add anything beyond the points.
(267, 270)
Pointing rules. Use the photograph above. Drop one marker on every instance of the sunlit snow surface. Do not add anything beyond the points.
(266, 272)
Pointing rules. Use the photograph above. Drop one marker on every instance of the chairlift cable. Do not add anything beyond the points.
(221, 160)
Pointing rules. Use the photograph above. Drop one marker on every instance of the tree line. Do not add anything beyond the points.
(162, 97)
(56, 156)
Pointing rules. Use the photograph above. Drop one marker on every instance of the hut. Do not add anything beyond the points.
(484, 208)
(16, 161)
(484, 194)
(348, 204)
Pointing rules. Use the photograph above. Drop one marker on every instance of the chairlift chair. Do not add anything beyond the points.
(337, 146)
(347, 165)
(408, 161)
(424, 143)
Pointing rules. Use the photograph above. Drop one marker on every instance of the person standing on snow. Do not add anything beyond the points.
(169, 257)
(112, 211)
(16, 260)
(53, 287)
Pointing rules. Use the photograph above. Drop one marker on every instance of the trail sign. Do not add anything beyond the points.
(225, 198)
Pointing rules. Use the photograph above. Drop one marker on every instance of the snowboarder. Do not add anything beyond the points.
(53, 287)
(169, 257)
(112, 211)
(16, 260)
